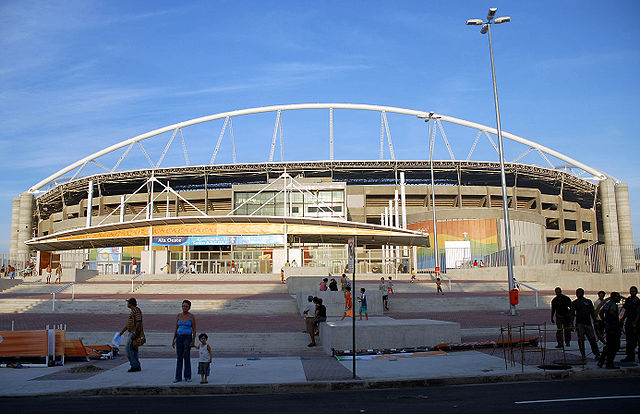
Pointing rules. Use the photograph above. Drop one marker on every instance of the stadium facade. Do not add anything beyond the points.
(252, 217)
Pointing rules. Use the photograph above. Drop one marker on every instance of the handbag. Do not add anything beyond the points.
(139, 340)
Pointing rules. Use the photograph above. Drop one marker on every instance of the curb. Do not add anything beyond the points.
(325, 386)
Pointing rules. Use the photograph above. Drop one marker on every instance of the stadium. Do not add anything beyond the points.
(256, 217)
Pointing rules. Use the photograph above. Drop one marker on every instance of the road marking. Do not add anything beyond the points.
(611, 397)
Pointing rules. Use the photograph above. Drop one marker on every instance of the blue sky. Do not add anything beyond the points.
(77, 76)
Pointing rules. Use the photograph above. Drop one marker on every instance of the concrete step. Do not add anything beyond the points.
(219, 341)
(108, 306)
(444, 303)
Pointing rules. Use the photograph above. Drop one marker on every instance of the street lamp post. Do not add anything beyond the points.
(486, 28)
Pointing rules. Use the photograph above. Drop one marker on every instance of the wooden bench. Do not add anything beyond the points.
(32, 344)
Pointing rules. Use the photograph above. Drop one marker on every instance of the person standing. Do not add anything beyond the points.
(598, 323)
(205, 356)
(48, 270)
(309, 313)
(439, 286)
(343, 282)
(630, 318)
(612, 330)
(582, 310)
(58, 273)
(184, 338)
(382, 287)
(363, 304)
(136, 334)
(561, 308)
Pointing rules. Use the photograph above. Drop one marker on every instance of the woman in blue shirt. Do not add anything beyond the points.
(184, 338)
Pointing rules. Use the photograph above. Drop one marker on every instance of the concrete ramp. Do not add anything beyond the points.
(385, 333)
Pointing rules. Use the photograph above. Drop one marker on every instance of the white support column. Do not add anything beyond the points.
(403, 204)
(397, 223)
(122, 209)
(168, 212)
(151, 261)
(89, 203)
(331, 134)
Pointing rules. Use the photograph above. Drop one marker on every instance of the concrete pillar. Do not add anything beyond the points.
(25, 225)
(624, 227)
(610, 225)
(15, 217)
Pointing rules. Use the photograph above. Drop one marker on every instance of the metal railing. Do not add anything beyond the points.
(532, 288)
(61, 289)
(139, 275)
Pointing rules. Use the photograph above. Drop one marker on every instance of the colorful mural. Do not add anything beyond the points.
(482, 235)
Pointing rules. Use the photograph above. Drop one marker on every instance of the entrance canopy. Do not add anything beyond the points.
(297, 230)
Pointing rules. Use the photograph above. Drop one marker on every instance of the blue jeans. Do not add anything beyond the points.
(132, 354)
(183, 353)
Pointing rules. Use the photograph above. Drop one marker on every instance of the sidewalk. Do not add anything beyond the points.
(284, 374)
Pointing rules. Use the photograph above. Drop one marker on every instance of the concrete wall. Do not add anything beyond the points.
(313, 272)
(387, 333)
(570, 281)
(82, 275)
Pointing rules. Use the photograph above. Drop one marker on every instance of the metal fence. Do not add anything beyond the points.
(584, 258)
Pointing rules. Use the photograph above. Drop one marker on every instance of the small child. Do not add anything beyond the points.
(413, 276)
(439, 286)
(348, 303)
(390, 286)
(363, 304)
(205, 355)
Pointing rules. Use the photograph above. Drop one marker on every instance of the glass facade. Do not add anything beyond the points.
(314, 203)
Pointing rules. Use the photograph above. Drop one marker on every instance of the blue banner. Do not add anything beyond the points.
(265, 239)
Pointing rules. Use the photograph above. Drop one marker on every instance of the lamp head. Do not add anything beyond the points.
(474, 22)
(499, 20)
(484, 29)
(492, 13)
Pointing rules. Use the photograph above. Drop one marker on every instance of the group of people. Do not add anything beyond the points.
(8, 271)
(48, 270)
(603, 320)
(314, 313)
(184, 338)
(386, 287)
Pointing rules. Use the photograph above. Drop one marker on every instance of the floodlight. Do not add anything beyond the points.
(505, 19)
(484, 29)
(492, 13)
(474, 22)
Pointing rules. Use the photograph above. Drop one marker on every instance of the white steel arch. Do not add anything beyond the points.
(597, 174)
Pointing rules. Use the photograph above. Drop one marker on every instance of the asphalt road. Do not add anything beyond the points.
(531, 397)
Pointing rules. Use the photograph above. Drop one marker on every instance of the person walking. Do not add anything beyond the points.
(582, 310)
(348, 303)
(630, 318)
(612, 330)
(184, 337)
(136, 335)
(561, 308)
(598, 323)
